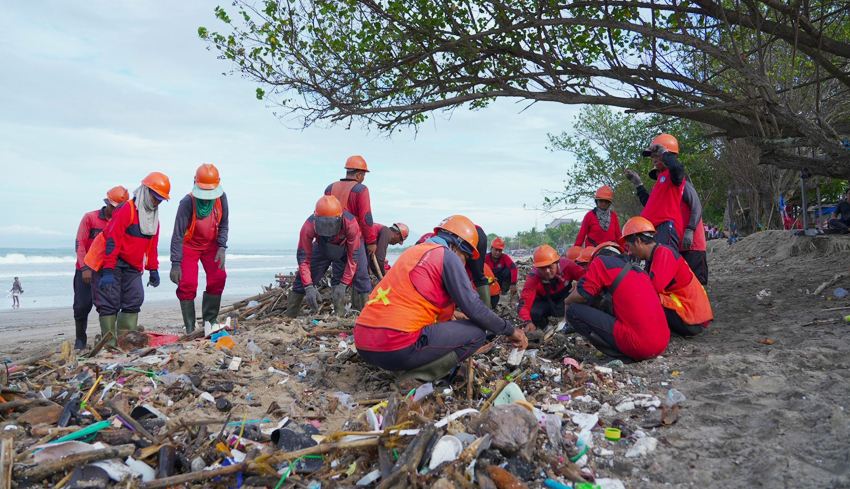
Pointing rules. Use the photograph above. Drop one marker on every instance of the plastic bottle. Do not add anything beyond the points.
(675, 397)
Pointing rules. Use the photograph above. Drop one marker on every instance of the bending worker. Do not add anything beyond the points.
(601, 223)
(354, 198)
(130, 246)
(200, 234)
(407, 324)
(663, 207)
(546, 287)
(629, 321)
(387, 235)
(685, 302)
(91, 226)
(328, 236)
(503, 268)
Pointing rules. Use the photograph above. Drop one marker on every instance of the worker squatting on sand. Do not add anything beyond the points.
(546, 288)
(504, 268)
(200, 234)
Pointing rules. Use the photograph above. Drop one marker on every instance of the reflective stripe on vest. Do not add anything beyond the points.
(190, 231)
(396, 304)
(495, 288)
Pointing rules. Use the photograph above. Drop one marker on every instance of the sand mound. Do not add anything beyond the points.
(778, 246)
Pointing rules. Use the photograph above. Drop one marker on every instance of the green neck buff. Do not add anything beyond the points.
(203, 207)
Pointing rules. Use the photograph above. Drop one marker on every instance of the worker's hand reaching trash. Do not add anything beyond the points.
(518, 339)
(313, 296)
(338, 293)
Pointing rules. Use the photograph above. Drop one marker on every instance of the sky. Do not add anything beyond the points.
(100, 93)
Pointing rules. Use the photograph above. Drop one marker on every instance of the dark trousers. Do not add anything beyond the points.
(676, 325)
(82, 297)
(839, 225)
(319, 264)
(545, 307)
(596, 326)
(494, 301)
(126, 295)
(477, 266)
(698, 263)
(435, 340)
(667, 234)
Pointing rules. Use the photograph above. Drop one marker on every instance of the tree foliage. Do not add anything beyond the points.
(561, 237)
(774, 73)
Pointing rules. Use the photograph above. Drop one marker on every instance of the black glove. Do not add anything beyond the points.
(154, 278)
(313, 297)
(176, 273)
(688, 239)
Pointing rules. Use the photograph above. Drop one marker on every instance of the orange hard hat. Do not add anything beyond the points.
(117, 195)
(636, 225)
(159, 183)
(328, 206)
(574, 252)
(607, 244)
(605, 193)
(464, 229)
(402, 229)
(207, 177)
(356, 163)
(666, 140)
(545, 255)
(498, 244)
(585, 255)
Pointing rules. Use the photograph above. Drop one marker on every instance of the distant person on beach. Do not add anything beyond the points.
(601, 224)
(17, 290)
(628, 321)
(841, 216)
(387, 235)
(354, 198)
(407, 324)
(329, 235)
(200, 234)
(92, 224)
(663, 207)
(546, 287)
(130, 246)
(503, 268)
(685, 302)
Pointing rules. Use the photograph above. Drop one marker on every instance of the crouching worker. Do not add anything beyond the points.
(628, 320)
(684, 299)
(546, 288)
(406, 325)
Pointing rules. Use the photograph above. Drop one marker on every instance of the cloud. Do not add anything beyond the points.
(32, 230)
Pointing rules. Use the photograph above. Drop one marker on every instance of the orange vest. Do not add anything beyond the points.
(94, 256)
(495, 288)
(690, 302)
(341, 190)
(396, 304)
(190, 231)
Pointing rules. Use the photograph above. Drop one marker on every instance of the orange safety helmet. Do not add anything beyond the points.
(666, 140)
(207, 177)
(498, 244)
(607, 244)
(117, 195)
(159, 183)
(636, 225)
(328, 206)
(464, 229)
(356, 163)
(402, 229)
(586, 255)
(574, 252)
(545, 255)
(605, 193)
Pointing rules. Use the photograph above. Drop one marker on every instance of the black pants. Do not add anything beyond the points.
(698, 263)
(545, 307)
(839, 225)
(82, 297)
(667, 234)
(463, 337)
(594, 325)
(127, 293)
(477, 266)
(676, 325)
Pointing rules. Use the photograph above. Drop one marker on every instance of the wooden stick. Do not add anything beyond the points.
(31, 360)
(7, 461)
(500, 386)
(132, 422)
(52, 430)
(193, 476)
(832, 281)
(323, 448)
(470, 379)
(377, 268)
(22, 402)
(100, 344)
(64, 480)
(47, 469)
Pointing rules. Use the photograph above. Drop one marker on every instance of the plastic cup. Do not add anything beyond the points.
(224, 341)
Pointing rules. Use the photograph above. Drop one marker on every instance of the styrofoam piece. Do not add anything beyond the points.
(447, 449)
(144, 470)
(369, 478)
(454, 416)
(116, 470)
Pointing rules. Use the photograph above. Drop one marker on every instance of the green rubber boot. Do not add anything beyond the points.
(107, 325)
(430, 372)
(187, 308)
(210, 306)
(127, 321)
(358, 300)
(293, 304)
(484, 294)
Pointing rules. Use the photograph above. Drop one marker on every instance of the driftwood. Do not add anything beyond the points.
(23, 402)
(385, 458)
(7, 460)
(321, 449)
(100, 344)
(829, 282)
(47, 469)
(193, 476)
(132, 422)
(409, 460)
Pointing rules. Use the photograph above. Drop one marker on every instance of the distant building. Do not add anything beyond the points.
(558, 222)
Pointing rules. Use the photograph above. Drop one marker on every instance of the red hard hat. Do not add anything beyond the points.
(117, 195)
(464, 229)
(498, 244)
(356, 163)
(605, 193)
(328, 206)
(545, 255)
(607, 244)
(574, 252)
(666, 140)
(159, 183)
(636, 225)
(207, 177)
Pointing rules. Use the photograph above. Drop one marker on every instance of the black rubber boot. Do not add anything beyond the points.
(210, 306)
(293, 304)
(187, 308)
(431, 372)
(81, 325)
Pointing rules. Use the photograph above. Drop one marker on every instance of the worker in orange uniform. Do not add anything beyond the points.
(407, 327)
(663, 207)
(91, 226)
(387, 235)
(354, 197)
(200, 234)
(685, 302)
(130, 246)
(546, 287)
(601, 223)
(627, 320)
(329, 235)
(503, 267)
